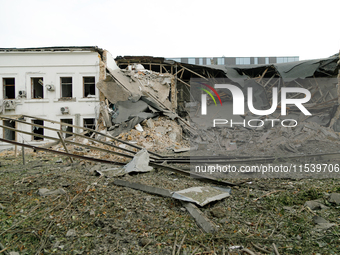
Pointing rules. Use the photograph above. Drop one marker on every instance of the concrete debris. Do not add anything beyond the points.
(111, 172)
(202, 195)
(140, 163)
(149, 123)
(182, 150)
(139, 128)
(267, 141)
(334, 198)
(46, 192)
(315, 205)
(135, 93)
(71, 233)
(321, 223)
(162, 135)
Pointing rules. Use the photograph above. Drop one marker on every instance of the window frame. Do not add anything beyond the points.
(68, 128)
(37, 138)
(62, 84)
(32, 88)
(9, 85)
(89, 83)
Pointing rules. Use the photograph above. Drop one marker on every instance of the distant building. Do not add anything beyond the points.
(235, 60)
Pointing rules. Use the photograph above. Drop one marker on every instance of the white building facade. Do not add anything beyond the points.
(56, 83)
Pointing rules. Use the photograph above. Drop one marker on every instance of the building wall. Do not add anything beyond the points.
(51, 66)
(235, 60)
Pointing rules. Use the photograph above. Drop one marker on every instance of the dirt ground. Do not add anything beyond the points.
(91, 215)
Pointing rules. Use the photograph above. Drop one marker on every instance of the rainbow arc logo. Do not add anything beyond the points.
(209, 93)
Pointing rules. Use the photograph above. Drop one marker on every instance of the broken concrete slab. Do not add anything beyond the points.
(334, 198)
(111, 172)
(318, 219)
(112, 91)
(139, 163)
(201, 195)
(321, 223)
(315, 205)
(139, 128)
(124, 109)
(46, 192)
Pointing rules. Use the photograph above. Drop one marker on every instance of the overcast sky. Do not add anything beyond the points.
(176, 28)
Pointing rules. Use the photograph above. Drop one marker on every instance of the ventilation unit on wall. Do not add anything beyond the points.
(64, 110)
(50, 87)
(9, 104)
(22, 93)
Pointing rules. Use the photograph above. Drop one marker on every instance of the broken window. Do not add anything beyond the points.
(66, 128)
(9, 88)
(37, 87)
(38, 130)
(89, 86)
(9, 134)
(90, 123)
(66, 87)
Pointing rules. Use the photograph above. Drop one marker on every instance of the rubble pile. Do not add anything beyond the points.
(272, 141)
(158, 135)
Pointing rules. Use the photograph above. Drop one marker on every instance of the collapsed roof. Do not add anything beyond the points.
(261, 77)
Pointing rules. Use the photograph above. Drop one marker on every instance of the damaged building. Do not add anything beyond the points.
(57, 83)
(85, 87)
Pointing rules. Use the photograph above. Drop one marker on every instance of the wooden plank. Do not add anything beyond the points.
(201, 220)
(173, 94)
(182, 74)
(199, 75)
(261, 77)
(84, 128)
(63, 143)
(183, 82)
(268, 81)
(70, 142)
(65, 132)
(145, 188)
(178, 71)
(62, 153)
(23, 155)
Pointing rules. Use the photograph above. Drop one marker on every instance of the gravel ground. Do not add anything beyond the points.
(94, 216)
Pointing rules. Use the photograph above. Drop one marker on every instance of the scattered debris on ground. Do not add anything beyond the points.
(96, 216)
(125, 187)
